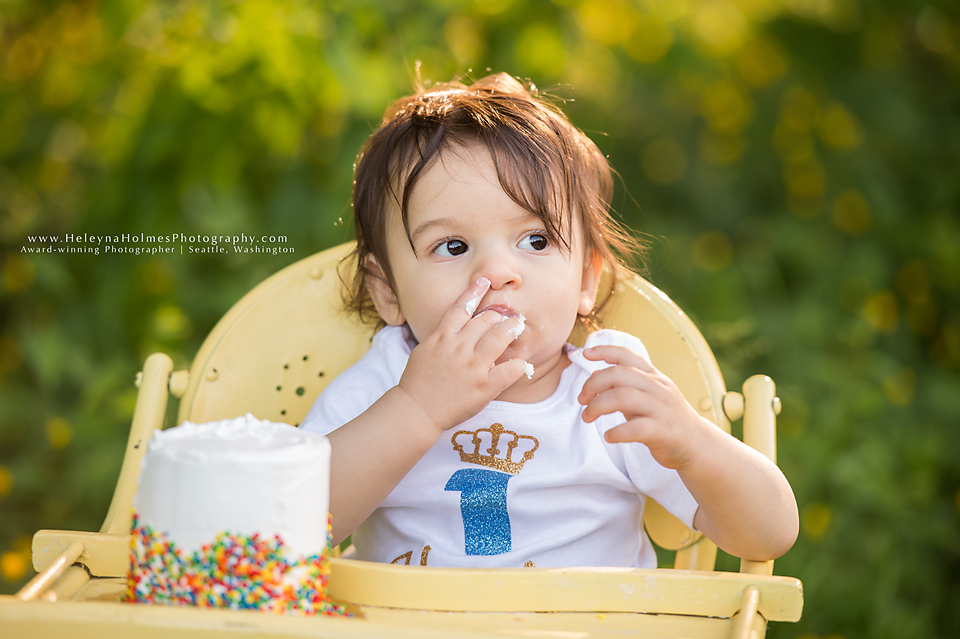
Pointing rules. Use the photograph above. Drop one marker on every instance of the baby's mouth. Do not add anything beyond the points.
(507, 313)
(504, 310)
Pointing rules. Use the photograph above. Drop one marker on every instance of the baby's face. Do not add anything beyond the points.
(464, 226)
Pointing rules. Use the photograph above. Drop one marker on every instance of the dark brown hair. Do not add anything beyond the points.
(544, 164)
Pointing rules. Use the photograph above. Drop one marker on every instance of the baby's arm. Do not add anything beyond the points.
(449, 377)
(745, 504)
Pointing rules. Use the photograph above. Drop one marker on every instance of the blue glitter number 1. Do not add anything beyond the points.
(483, 507)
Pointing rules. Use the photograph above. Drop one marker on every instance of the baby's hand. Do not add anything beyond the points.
(453, 374)
(657, 413)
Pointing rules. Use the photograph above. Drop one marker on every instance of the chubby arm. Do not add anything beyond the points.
(449, 377)
(746, 505)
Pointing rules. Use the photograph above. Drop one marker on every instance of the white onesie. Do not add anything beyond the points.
(553, 492)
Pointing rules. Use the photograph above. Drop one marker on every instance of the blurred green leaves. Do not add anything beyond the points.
(792, 162)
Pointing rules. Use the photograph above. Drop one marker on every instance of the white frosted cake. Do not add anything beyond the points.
(233, 513)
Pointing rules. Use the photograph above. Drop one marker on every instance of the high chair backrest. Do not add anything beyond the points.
(284, 341)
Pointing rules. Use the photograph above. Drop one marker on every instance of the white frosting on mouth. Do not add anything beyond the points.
(519, 328)
(528, 370)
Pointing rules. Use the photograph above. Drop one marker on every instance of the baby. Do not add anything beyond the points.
(472, 433)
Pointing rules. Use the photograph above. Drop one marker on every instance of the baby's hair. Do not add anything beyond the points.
(544, 164)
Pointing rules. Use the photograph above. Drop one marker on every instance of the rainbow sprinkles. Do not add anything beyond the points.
(235, 571)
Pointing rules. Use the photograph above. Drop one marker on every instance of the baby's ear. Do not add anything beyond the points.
(592, 270)
(388, 306)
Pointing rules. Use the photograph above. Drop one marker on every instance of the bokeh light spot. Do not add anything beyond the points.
(146, 31)
(761, 63)
(81, 32)
(18, 273)
(712, 251)
(901, 387)
(851, 212)
(913, 281)
(720, 149)
(6, 481)
(157, 277)
(815, 520)
(792, 144)
(23, 58)
(934, 31)
(854, 292)
(279, 128)
(720, 27)
(726, 108)
(67, 142)
(882, 312)
(805, 180)
(170, 322)
(493, 7)
(946, 347)
(594, 68)
(59, 433)
(463, 37)
(135, 95)
(664, 161)
(799, 108)
(62, 84)
(54, 175)
(540, 50)
(650, 41)
(608, 22)
(840, 129)
(13, 565)
(669, 10)
(10, 354)
(923, 316)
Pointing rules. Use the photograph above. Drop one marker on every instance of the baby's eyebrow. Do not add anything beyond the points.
(426, 226)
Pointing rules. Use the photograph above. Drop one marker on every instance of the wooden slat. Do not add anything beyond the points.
(682, 592)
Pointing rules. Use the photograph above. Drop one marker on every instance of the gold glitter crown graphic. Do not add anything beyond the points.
(488, 440)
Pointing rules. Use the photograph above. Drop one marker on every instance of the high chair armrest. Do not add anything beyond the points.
(759, 407)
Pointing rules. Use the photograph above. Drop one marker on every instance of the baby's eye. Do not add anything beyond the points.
(451, 248)
(534, 242)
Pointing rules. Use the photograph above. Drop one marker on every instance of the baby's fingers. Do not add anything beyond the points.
(618, 355)
(504, 375)
(608, 379)
(462, 310)
(635, 430)
(500, 334)
(614, 400)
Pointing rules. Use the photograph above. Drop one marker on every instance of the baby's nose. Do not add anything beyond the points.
(501, 270)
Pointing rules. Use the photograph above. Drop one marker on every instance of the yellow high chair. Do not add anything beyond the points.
(271, 355)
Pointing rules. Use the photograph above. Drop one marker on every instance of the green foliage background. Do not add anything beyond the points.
(794, 163)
